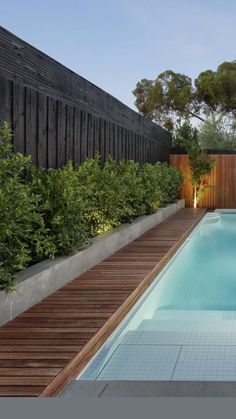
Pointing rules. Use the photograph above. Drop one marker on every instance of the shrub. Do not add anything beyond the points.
(54, 212)
(130, 196)
(161, 185)
(61, 207)
(18, 217)
(169, 182)
(98, 189)
(113, 193)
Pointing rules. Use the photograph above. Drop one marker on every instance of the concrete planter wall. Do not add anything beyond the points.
(42, 279)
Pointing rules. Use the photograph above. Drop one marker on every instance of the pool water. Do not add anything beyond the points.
(184, 326)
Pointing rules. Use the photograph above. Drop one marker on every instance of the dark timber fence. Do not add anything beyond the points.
(56, 115)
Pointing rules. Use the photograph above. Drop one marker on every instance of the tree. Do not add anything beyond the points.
(200, 163)
(173, 96)
(218, 133)
(216, 90)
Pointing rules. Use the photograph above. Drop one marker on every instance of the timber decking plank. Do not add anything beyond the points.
(46, 342)
(46, 346)
(35, 372)
(37, 348)
(20, 391)
(32, 363)
(35, 355)
(21, 381)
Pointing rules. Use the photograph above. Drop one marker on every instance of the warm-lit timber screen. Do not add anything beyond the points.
(223, 176)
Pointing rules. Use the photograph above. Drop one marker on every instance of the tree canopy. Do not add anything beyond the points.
(173, 96)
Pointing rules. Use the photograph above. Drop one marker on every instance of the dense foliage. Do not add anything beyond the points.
(44, 213)
(218, 132)
(19, 219)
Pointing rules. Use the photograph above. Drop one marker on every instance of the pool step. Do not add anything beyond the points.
(183, 338)
(192, 325)
(212, 218)
(203, 315)
(151, 362)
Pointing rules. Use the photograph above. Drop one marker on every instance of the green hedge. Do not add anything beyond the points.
(44, 213)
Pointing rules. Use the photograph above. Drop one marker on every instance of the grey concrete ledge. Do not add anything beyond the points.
(115, 389)
(43, 278)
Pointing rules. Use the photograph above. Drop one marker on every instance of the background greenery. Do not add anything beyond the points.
(207, 103)
(173, 96)
(45, 213)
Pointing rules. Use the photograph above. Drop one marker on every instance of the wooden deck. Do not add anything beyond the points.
(46, 346)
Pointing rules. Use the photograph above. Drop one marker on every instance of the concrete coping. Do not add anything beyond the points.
(42, 279)
(114, 389)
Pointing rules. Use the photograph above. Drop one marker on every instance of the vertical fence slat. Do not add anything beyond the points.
(123, 144)
(19, 117)
(96, 136)
(126, 145)
(52, 136)
(116, 139)
(31, 124)
(84, 136)
(91, 120)
(42, 130)
(107, 141)
(61, 133)
(111, 139)
(70, 133)
(131, 147)
(119, 155)
(6, 87)
(77, 135)
(102, 139)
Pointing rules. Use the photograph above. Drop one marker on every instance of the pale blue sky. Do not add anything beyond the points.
(115, 43)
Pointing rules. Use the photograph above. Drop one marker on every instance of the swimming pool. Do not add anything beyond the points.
(184, 326)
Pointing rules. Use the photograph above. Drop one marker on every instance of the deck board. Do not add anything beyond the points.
(46, 346)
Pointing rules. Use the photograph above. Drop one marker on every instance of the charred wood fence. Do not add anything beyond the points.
(57, 115)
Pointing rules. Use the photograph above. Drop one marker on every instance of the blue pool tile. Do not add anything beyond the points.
(206, 363)
(141, 363)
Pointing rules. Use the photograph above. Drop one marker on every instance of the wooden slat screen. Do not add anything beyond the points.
(223, 176)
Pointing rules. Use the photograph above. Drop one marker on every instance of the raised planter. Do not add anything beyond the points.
(43, 278)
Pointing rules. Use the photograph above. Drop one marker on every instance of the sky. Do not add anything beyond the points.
(116, 43)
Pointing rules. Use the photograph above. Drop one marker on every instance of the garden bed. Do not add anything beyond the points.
(44, 278)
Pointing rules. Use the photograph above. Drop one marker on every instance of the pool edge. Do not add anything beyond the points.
(118, 389)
